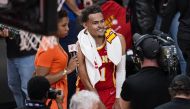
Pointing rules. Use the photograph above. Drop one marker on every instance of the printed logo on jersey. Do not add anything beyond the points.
(110, 35)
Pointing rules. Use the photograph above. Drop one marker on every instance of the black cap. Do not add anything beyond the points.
(150, 48)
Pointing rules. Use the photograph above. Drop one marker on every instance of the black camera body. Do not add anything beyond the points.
(168, 59)
(52, 93)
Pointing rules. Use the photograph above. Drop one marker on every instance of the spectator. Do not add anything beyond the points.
(173, 31)
(20, 66)
(73, 6)
(85, 100)
(147, 88)
(144, 15)
(183, 6)
(52, 62)
(100, 58)
(180, 92)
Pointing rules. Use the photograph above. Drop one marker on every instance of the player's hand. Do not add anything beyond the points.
(116, 104)
(102, 106)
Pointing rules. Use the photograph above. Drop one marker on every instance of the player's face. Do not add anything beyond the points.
(95, 25)
(62, 27)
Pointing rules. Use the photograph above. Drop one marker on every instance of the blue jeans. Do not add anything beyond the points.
(19, 71)
(174, 30)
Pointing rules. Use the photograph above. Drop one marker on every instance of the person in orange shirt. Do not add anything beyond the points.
(52, 61)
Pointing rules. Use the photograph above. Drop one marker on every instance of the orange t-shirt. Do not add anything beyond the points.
(55, 58)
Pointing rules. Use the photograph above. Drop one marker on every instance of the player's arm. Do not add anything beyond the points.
(124, 104)
(83, 72)
(123, 43)
(120, 72)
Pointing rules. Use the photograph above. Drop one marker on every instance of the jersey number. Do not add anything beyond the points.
(102, 74)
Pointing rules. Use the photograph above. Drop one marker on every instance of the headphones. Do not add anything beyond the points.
(145, 52)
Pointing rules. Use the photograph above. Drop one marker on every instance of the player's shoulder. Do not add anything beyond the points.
(121, 37)
(122, 40)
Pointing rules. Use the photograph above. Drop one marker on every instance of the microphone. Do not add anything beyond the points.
(72, 49)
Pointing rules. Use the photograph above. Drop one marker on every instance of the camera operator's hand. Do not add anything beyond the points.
(73, 63)
(59, 100)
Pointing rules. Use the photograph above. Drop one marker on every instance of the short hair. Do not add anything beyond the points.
(38, 87)
(180, 85)
(84, 100)
(89, 10)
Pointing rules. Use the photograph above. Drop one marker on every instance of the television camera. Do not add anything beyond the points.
(168, 59)
(52, 93)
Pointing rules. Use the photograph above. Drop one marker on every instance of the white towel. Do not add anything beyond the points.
(114, 48)
(93, 60)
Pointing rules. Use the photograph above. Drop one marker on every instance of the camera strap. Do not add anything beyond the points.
(34, 104)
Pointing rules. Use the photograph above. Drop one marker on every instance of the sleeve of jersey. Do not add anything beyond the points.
(120, 75)
(45, 58)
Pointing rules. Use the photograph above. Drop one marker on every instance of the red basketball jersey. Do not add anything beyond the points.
(107, 72)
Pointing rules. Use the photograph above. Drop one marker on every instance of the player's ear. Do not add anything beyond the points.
(84, 25)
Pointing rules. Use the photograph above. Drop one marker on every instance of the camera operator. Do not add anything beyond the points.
(148, 87)
(38, 91)
(180, 92)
